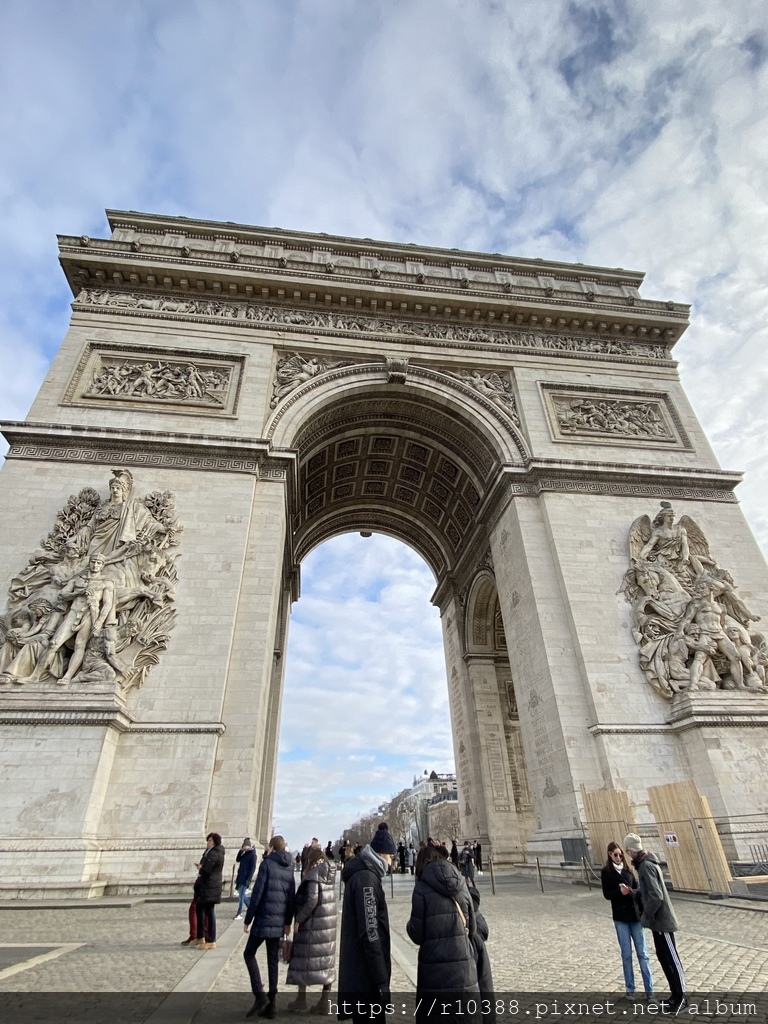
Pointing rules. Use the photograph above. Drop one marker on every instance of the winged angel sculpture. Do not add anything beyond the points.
(95, 605)
(692, 628)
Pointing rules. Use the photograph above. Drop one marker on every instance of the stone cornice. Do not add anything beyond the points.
(626, 729)
(718, 709)
(347, 245)
(615, 478)
(42, 708)
(701, 710)
(106, 445)
(35, 713)
(231, 261)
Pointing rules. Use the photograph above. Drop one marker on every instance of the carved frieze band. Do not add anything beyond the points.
(360, 324)
(156, 379)
(613, 416)
(102, 455)
(115, 719)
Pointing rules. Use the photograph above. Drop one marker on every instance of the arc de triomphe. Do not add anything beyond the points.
(229, 397)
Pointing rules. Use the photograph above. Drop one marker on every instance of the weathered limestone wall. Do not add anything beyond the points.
(588, 714)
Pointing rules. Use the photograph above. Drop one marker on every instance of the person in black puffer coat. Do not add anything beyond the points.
(626, 919)
(442, 924)
(208, 890)
(365, 965)
(271, 911)
(484, 974)
(313, 957)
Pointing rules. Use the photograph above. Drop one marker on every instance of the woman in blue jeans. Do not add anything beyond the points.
(626, 919)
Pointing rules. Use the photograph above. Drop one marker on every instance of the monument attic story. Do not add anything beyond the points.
(236, 261)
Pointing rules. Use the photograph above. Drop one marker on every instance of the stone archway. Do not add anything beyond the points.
(515, 421)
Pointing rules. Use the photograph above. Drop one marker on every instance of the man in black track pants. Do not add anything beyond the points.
(657, 914)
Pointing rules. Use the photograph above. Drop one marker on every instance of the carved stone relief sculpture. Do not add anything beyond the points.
(161, 381)
(295, 370)
(600, 414)
(493, 386)
(311, 319)
(158, 379)
(632, 419)
(94, 607)
(691, 627)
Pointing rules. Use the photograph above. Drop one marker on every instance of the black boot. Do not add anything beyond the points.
(258, 1005)
(269, 1009)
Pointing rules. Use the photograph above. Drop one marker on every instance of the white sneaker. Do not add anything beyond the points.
(238, 917)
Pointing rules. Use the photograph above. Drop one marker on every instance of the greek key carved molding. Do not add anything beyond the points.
(158, 459)
(361, 324)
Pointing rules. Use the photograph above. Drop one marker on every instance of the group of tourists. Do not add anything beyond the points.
(300, 922)
(445, 923)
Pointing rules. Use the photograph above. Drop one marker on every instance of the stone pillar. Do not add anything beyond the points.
(466, 739)
(553, 702)
(502, 827)
(246, 750)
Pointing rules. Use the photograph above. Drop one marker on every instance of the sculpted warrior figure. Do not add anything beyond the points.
(120, 527)
(92, 609)
(690, 623)
(102, 585)
(709, 616)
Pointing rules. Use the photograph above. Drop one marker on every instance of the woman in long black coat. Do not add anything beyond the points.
(442, 923)
(626, 919)
(313, 958)
(208, 890)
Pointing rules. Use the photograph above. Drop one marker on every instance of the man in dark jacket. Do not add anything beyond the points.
(246, 859)
(208, 890)
(364, 956)
(467, 863)
(658, 915)
(271, 911)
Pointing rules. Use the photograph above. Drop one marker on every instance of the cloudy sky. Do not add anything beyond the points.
(618, 132)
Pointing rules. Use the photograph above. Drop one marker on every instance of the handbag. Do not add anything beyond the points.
(286, 949)
(463, 919)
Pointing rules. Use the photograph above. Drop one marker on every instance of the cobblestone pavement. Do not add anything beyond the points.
(561, 940)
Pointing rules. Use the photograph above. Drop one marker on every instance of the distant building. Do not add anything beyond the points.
(425, 794)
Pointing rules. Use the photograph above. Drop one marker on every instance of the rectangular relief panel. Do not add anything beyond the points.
(613, 416)
(156, 379)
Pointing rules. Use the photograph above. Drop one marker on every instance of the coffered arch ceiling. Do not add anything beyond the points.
(393, 461)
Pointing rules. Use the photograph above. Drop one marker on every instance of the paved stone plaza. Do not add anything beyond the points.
(559, 941)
